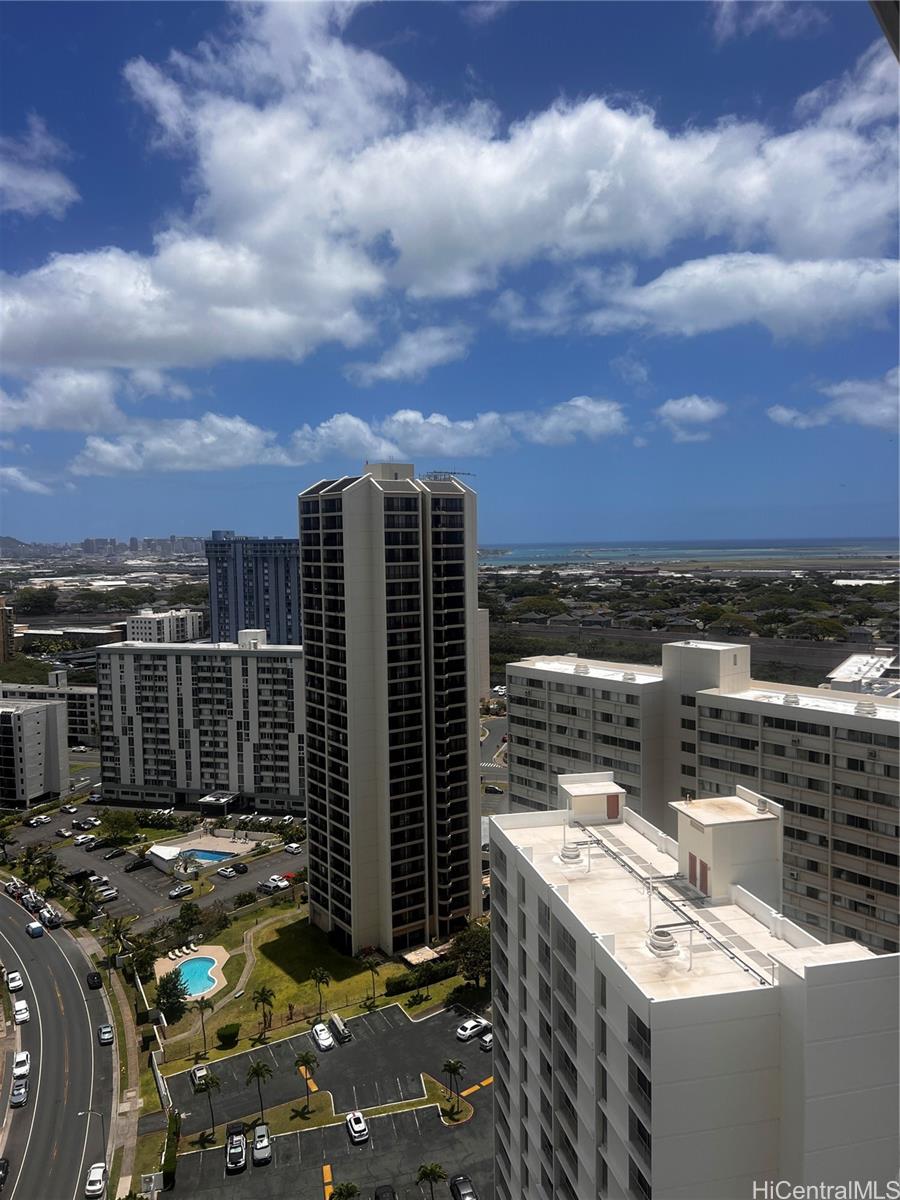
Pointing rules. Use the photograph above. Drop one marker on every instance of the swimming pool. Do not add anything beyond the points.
(208, 856)
(197, 974)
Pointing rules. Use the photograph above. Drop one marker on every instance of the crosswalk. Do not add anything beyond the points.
(493, 764)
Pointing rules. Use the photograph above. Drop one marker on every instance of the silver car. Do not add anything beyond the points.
(262, 1145)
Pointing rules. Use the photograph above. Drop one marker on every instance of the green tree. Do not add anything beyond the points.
(86, 901)
(264, 998)
(471, 952)
(6, 840)
(321, 979)
(431, 1173)
(307, 1062)
(208, 1084)
(370, 962)
(454, 1069)
(344, 1191)
(189, 917)
(202, 1005)
(259, 1072)
(172, 996)
(546, 605)
(36, 602)
(119, 825)
(186, 861)
(30, 863)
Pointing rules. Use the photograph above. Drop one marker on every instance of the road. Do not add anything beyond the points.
(48, 1145)
(496, 727)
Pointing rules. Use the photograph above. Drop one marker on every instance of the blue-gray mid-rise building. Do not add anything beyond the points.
(254, 583)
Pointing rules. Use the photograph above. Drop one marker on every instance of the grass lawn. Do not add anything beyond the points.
(294, 1115)
(147, 1155)
(149, 1090)
(121, 1036)
(115, 1170)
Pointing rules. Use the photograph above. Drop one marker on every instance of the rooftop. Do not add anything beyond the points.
(814, 700)
(570, 664)
(199, 648)
(734, 948)
(721, 810)
(860, 667)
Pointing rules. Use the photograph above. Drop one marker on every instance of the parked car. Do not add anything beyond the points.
(50, 918)
(14, 981)
(105, 1035)
(94, 980)
(14, 886)
(462, 1188)
(21, 1065)
(474, 1027)
(198, 1074)
(4, 1170)
(493, 790)
(227, 872)
(235, 1147)
(116, 852)
(69, 808)
(19, 1094)
(179, 890)
(262, 1145)
(279, 881)
(93, 822)
(286, 820)
(34, 929)
(84, 839)
(21, 1012)
(95, 1185)
(138, 864)
(294, 848)
(63, 833)
(385, 1191)
(487, 1041)
(357, 1127)
(108, 893)
(78, 749)
(321, 1035)
(241, 868)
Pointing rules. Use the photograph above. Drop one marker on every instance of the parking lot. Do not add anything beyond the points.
(382, 1064)
(145, 893)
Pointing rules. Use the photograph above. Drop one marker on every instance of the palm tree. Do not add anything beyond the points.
(264, 998)
(87, 899)
(259, 1071)
(308, 1063)
(454, 1070)
(203, 1005)
(371, 965)
(210, 1083)
(344, 1191)
(30, 863)
(431, 1173)
(320, 978)
(55, 872)
(187, 861)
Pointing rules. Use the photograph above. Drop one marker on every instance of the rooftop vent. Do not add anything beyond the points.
(866, 708)
(661, 942)
(761, 804)
(581, 669)
(629, 677)
(791, 698)
(570, 856)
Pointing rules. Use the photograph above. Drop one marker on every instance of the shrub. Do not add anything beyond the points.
(429, 972)
(243, 898)
(170, 1153)
(227, 1035)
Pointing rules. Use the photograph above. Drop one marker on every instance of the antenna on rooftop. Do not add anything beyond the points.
(440, 476)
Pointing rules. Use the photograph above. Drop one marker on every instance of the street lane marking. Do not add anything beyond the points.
(476, 1086)
(37, 1090)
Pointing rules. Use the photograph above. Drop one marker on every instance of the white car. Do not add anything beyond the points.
(179, 890)
(78, 749)
(288, 820)
(83, 839)
(22, 1065)
(21, 1012)
(293, 848)
(94, 821)
(227, 872)
(321, 1035)
(487, 1041)
(14, 981)
(474, 1027)
(43, 819)
(278, 881)
(69, 808)
(357, 1127)
(265, 820)
(262, 1145)
(198, 1074)
(63, 833)
(95, 1185)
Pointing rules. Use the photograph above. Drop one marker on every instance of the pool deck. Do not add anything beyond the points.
(205, 841)
(218, 954)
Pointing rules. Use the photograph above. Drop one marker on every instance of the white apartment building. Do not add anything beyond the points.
(34, 759)
(698, 726)
(179, 721)
(82, 720)
(662, 1039)
(391, 663)
(176, 625)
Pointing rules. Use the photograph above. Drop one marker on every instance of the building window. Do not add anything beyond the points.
(638, 1035)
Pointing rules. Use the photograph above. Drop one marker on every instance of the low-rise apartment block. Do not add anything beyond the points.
(700, 725)
(34, 761)
(180, 721)
(176, 625)
(661, 1030)
(82, 719)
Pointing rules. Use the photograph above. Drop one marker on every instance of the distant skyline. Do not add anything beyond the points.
(633, 266)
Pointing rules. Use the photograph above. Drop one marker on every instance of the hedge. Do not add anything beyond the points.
(170, 1154)
(227, 1035)
(419, 977)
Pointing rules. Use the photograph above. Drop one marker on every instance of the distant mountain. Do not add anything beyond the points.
(12, 544)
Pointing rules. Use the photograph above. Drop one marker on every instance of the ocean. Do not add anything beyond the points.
(580, 553)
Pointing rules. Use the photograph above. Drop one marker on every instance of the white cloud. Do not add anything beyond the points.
(149, 382)
(18, 480)
(323, 189)
(633, 370)
(686, 417)
(740, 18)
(484, 12)
(214, 442)
(414, 354)
(58, 398)
(869, 402)
(28, 184)
(791, 299)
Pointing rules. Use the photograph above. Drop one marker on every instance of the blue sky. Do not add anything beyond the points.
(631, 265)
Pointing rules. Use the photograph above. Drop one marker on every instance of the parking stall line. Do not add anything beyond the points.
(327, 1187)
